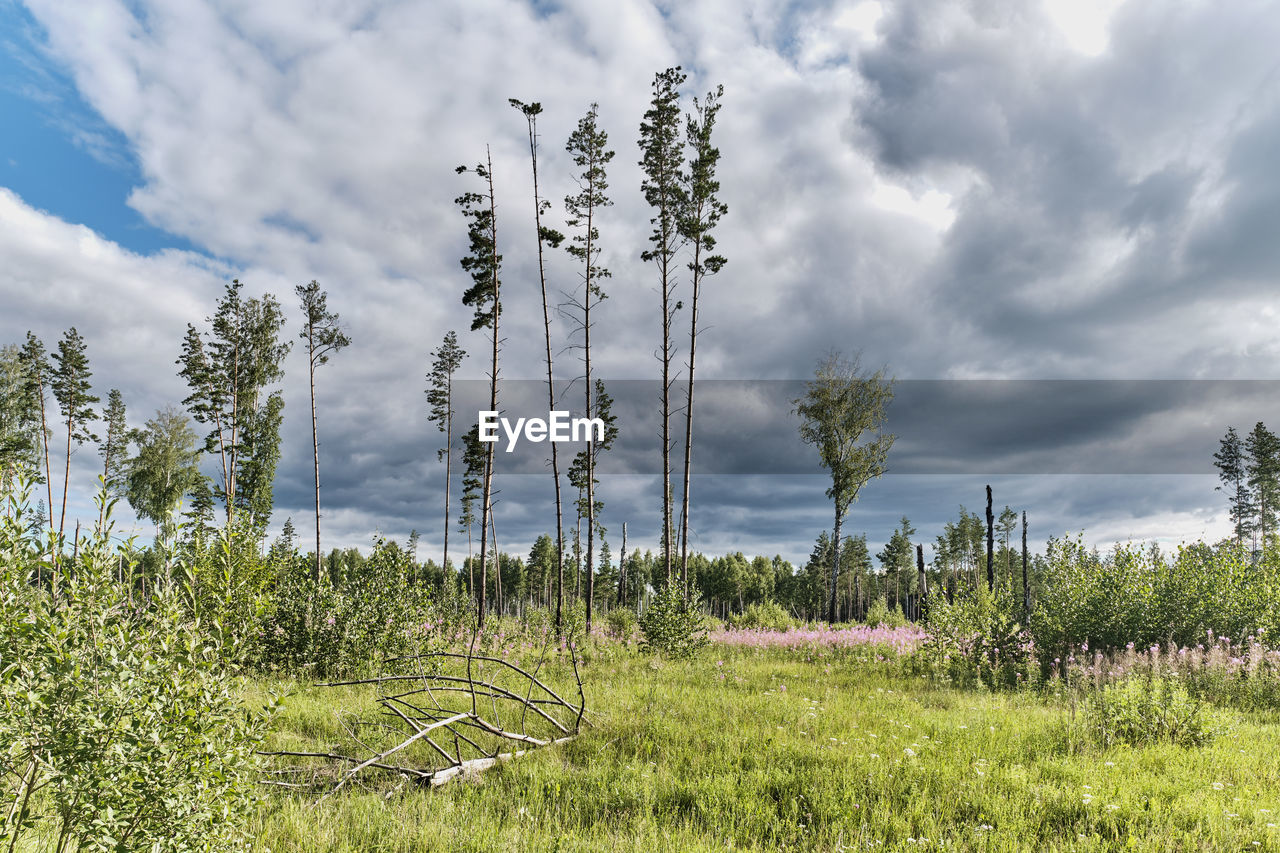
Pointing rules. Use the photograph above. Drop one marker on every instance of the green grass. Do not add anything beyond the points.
(853, 754)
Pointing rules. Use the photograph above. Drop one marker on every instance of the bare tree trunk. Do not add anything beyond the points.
(1026, 588)
(835, 565)
(622, 568)
(448, 466)
(551, 391)
(688, 423)
(991, 566)
(922, 586)
(485, 508)
(497, 563)
(48, 478)
(315, 439)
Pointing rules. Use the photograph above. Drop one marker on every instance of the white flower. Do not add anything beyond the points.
(909, 752)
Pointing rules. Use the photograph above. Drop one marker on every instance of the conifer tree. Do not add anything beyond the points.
(35, 362)
(71, 388)
(588, 145)
(699, 218)
(664, 191)
(1231, 463)
(546, 237)
(1263, 470)
(324, 336)
(115, 447)
(445, 362)
(483, 263)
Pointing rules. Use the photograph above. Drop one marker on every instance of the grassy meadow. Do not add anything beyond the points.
(810, 748)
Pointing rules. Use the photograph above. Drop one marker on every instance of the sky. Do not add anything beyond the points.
(1052, 223)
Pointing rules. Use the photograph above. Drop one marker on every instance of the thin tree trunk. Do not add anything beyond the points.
(591, 444)
(315, 437)
(48, 477)
(485, 509)
(991, 565)
(448, 464)
(1026, 588)
(835, 566)
(622, 568)
(66, 478)
(497, 564)
(688, 423)
(551, 391)
(922, 586)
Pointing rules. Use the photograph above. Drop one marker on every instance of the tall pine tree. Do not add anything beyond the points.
(446, 361)
(484, 265)
(664, 190)
(324, 336)
(589, 147)
(71, 388)
(698, 220)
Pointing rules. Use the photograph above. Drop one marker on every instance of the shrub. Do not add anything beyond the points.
(768, 614)
(327, 629)
(1144, 710)
(621, 623)
(976, 640)
(120, 723)
(880, 614)
(671, 626)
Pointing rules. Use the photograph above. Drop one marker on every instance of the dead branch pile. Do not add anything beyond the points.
(456, 715)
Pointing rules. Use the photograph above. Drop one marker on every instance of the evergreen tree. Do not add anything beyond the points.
(1232, 466)
(699, 218)
(20, 439)
(115, 448)
(71, 388)
(1263, 474)
(35, 363)
(324, 336)
(589, 147)
(484, 264)
(445, 362)
(228, 371)
(664, 190)
(546, 237)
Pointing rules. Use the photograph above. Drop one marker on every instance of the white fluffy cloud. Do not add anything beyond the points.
(959, 189)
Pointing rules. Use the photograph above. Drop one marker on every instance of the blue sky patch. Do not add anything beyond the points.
(57, 153)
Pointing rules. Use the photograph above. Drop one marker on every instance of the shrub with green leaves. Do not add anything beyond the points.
(671, 626)
(976, 640)
(348, 627)
(1151, 709)
(879, 613)
(768, 614)
(621, 623)
(120, 723)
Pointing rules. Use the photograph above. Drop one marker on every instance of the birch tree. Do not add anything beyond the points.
(842, 414)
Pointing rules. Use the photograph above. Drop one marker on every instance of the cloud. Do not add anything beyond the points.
(960, 190)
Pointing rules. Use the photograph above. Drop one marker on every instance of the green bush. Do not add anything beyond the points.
(768, 614)
(325, 629)
(1152, 709)
(621, 623)
(976, 640)
(879, 613)
(120, 723)
(671, 626)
